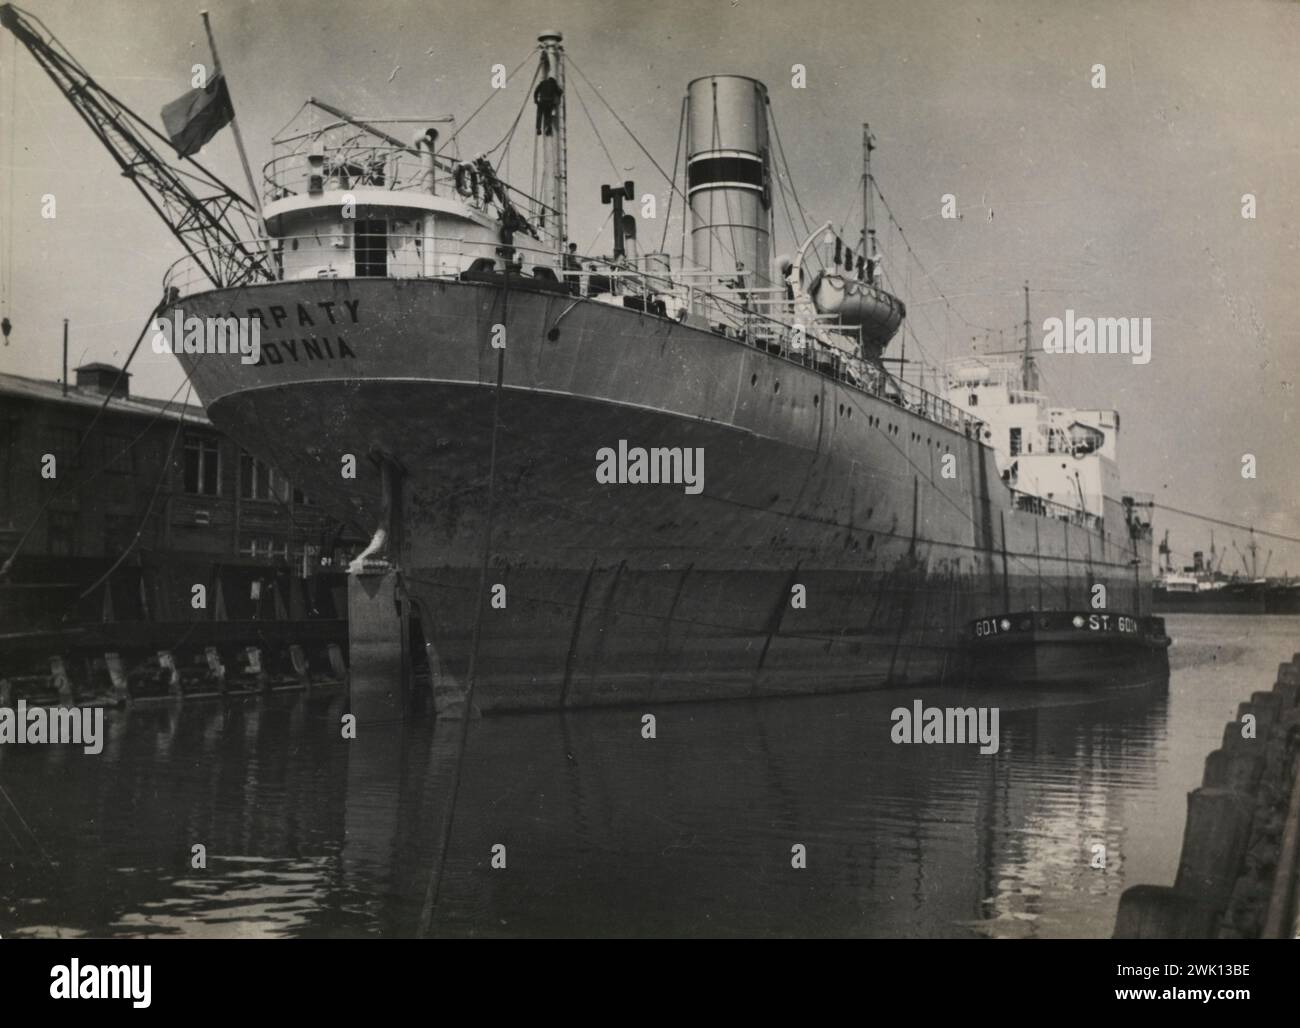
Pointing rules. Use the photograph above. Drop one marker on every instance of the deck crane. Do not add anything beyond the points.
(210, 219)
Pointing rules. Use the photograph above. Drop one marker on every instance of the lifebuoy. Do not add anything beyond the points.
(466, 181)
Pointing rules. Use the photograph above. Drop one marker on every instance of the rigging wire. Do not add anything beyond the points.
(1227, 524)
(794, 192)
(601, 98)
(305, 105)
(670, 179)
(435, 882)
(7, 283)
(592, 122)
(528, 93)
(726, 195)
(677, 147)
(491, 96)
(924, 270)
(599, 232)
(785, 202)
(23, 821)
(148, 511)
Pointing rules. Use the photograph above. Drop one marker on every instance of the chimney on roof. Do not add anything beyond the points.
(104, 379)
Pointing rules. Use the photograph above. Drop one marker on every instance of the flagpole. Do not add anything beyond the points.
(239, 140)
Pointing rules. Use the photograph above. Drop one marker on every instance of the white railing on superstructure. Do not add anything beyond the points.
(357, 161)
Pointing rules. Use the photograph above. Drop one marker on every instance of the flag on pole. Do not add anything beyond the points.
(197, 116)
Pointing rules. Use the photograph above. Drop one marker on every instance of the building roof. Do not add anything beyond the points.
(40, 390)
(101, 366)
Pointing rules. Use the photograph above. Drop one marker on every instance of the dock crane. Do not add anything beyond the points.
(209, 218)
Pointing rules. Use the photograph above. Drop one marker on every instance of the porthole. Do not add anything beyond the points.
(871, 541)
(817, 400)
(776, 387)
(841, 410)
(753, 380)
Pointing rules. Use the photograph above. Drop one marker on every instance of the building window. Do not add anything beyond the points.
(61, 533)
(202, 466)
(1015, 442)
(267, 548)
(66, 441)
(974, 400)
(260, 481)
(119, 457)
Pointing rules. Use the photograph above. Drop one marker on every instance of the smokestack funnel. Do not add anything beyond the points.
(727, 176)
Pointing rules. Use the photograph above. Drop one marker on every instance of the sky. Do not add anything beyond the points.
(1123, 201)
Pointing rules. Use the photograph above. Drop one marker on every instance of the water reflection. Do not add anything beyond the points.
(607, 833)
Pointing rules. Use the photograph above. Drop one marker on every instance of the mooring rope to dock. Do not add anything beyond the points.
(444, 839)
(26, 827)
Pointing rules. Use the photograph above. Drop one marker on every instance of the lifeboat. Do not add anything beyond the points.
(858, 304)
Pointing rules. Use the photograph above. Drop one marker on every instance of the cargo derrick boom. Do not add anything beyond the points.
(210, 226)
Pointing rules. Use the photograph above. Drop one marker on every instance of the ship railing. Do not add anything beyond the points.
(350, 167)
(759, 316)
(1033, 504)
(358, 162)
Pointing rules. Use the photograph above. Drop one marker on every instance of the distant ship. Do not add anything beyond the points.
(1202, 588)
(850, 530)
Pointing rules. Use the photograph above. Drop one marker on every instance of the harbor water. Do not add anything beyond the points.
(605, 832)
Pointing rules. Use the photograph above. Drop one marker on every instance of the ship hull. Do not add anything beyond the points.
(824, 549)
(1249, 599)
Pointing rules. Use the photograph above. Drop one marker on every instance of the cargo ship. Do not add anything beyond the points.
(642, 476)
(1202, 587)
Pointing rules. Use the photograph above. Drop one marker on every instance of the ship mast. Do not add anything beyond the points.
(868, 209)
(1028, 373)
(555, 171)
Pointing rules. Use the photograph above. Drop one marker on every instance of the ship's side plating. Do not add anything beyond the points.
(622, 592)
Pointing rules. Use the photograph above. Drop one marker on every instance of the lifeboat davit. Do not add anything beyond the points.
(859, 304)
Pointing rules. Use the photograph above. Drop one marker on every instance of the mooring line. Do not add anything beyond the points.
(444, 840)
(23, 821)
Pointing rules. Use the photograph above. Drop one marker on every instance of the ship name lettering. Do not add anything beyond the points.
(279, 315)
(312, 348)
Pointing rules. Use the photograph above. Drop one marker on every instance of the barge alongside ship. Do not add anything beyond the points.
(428, 325)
